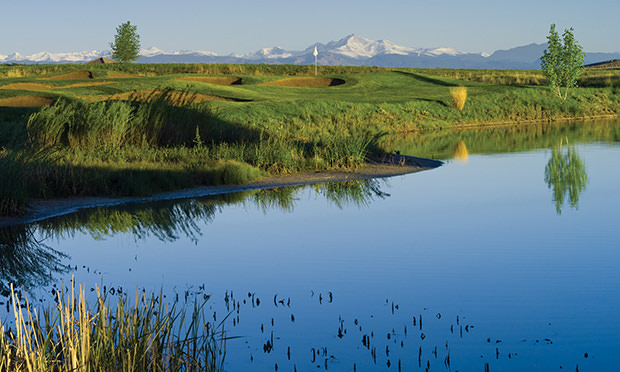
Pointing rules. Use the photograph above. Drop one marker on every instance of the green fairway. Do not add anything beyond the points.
(138, 129)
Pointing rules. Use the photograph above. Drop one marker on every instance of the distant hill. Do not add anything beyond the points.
(351, 50)
(613, 64)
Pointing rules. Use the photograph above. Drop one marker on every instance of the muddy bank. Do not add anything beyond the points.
(390, 166)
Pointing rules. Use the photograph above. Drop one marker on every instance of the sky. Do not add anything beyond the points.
(242, 26)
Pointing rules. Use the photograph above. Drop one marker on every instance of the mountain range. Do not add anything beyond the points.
(351, 50)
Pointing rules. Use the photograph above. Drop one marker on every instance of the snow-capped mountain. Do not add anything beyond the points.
(47, 57)
(351, 50)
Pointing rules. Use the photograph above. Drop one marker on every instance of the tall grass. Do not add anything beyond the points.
(146, 336)
(459, 96)
(22, 174)
(162, 120)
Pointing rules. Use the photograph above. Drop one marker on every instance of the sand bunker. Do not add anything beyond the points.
(120, 75)
(176, 98)
(306, 82)
(26, 101)
(27, 86)
(88, 84)
(101, 60)
(40, 86)
(219, 80)
(82, 74)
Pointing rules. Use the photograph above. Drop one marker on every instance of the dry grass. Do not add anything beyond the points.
(82, 74)
(26, 101)
(459, 96)
(219, 80)
(306, 82)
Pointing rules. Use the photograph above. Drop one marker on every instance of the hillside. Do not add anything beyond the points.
(613, 64)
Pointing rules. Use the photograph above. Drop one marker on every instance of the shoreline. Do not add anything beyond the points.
(390, 166)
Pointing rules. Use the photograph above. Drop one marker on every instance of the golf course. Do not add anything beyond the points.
(138, 129)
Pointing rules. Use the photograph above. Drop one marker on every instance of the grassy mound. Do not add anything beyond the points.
(306, 81)
(218, 80)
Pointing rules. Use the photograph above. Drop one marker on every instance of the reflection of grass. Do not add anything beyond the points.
(171, 219)
(460, 151)
(440, 144)
(148, 336)
(26, 261)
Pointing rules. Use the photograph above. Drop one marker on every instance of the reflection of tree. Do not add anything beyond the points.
(565, 173)
(355, 192)
(165, 220)
(26, 261)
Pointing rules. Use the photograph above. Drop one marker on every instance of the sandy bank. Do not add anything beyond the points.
(393, 165)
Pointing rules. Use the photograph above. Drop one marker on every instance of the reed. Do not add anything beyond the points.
(146, 336)
(459, 96)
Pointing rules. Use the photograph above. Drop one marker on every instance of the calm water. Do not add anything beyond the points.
(475, 262)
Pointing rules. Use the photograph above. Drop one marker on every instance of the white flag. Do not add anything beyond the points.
(315, 53)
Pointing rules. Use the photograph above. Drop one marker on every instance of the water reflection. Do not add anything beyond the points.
(460, 152)
(440, 144)
(27, 261)
(566, 175)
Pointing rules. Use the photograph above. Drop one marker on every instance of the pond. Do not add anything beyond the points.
(505, 258)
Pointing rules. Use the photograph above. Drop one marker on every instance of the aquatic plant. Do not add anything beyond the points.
(146, 336)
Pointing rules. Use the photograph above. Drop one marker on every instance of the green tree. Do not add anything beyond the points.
(126, 45)
(562, 61)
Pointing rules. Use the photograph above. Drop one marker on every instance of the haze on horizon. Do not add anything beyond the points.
(241, 26)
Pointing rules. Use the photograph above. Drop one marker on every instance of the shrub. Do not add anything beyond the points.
(459, 96)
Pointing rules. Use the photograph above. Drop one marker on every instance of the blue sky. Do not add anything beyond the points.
(240, 26)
